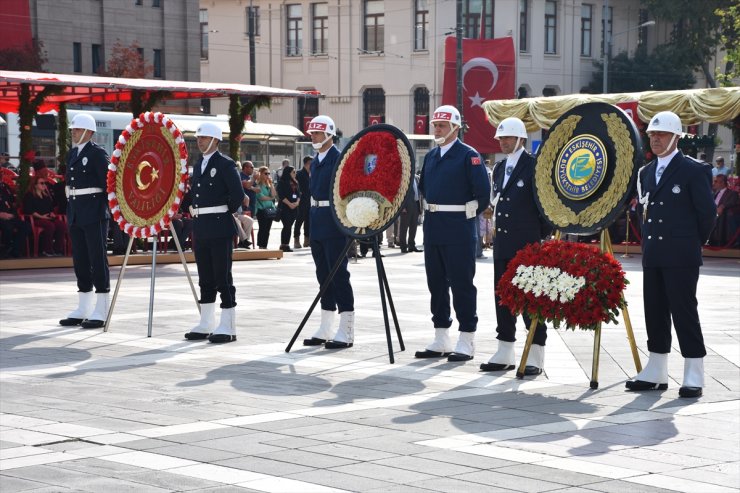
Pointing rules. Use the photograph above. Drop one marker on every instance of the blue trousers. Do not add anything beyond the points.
(452, 268)
(339, 292)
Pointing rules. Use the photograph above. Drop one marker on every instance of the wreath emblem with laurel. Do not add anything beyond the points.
(130, 184)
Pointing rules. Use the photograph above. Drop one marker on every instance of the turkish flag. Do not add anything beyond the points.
(421, 124)
(374, 119)
(488, 72)
(306, 121)
(630, 107)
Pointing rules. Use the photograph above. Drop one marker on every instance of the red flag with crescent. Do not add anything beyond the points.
(421, 125)
(488, 72)
(374, 119)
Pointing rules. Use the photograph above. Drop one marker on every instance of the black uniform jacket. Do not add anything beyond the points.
(218, 185)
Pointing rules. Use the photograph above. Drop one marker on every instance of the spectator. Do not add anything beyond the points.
(247, 177)
(302, 217)
(265, 200)
(182, 223)
(4, 160)
(278, 173)
(409, 219)
(14, 231)
(720, 168)
(728, 211)
(244, 223)
(289, 197)
(39, 204)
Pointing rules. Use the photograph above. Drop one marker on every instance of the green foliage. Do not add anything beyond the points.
(63, 135)
(237, 113)
(730, 39)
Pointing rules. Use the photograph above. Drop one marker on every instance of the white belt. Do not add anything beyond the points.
(73, 192)
(199, 211)
(444, 208)
(319, 203)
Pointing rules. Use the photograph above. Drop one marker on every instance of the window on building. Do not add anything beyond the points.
(139, 2)
(203, 34)
(421, 110)
(477, 17)
(77, 57)
(307, 109)
(155, 3)
(421, 24)
(320, 28)
(642, 33)
(373, 105)
(374, 34)
(98, 63)
(551, 26)
(256, 14)
(603, 31)
(294, 29)
(524, 25)
(158, 64)
(586, 13)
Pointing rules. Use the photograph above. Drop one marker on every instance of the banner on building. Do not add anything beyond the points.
(488, 72)
(374, 119)
(421, 124)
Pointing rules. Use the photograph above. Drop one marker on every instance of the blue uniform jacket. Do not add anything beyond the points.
(454, 179)
(322, 222)
(518, 220)
(219, 184)
(88, 170)
(680, 213)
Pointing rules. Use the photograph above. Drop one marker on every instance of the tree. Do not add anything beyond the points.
(730, 39)
(30, 57)
(127, 61)
(237, 113)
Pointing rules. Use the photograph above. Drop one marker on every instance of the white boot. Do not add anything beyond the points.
(465, 347)
(505, 354)
(206, 325)
(226, 330)
(345, 336)
(100, 312)
(324, 331)
(535, 360)
(693, 377)
(654, 376)
(85, 302)
(440, 346)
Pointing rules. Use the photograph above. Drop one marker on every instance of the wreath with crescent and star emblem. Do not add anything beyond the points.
(147, 175)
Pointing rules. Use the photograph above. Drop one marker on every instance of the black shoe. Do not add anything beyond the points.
(196, 336)
(496, 367)
(640, 385)
(430, 354)
(455, 357)
(690, 392)
(314, 341)
(404, 250)
(337, 345)
(221, 338)
(69, 322)
(92, 324)
(532, 370)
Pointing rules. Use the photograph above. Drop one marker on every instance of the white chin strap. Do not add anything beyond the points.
(441, 140)
(673, 139)
(319, 146)
(77, 144)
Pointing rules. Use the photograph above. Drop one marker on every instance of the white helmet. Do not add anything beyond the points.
(447, 113)
(511, 127)
(209, 129)
(666, 121)
(322, 123)
(84, 121)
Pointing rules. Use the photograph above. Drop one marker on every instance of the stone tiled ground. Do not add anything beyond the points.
(92, 411)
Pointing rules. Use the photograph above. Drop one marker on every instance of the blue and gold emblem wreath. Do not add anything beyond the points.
(581, 167)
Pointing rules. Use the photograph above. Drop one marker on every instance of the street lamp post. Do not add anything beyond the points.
(608, 39)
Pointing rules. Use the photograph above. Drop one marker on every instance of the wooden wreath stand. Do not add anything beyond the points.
(605, 244)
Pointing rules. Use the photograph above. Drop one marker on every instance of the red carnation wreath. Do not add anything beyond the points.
(564, 282)
(147, 175)
(372, 180)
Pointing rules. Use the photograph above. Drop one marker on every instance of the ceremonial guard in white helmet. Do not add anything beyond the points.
(455, 184)
(518, 223)
(87, 217)
(328, 242)
(678, 216)
(215, 194)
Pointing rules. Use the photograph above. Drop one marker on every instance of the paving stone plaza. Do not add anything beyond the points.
(88, 411)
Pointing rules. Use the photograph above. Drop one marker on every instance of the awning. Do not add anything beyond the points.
(713, 105)
(188, 124)
(91, 89)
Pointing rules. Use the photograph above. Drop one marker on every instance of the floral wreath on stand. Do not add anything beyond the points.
(147, 175)
(372, 180)
(564, 283)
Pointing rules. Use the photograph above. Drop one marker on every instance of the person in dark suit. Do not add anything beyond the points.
(303, 176)
(455, 185)
(410, 218)
(215, 193)
(728, 210)
(328, 242)
(518, 223)
(679, 212)
(87, 218)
